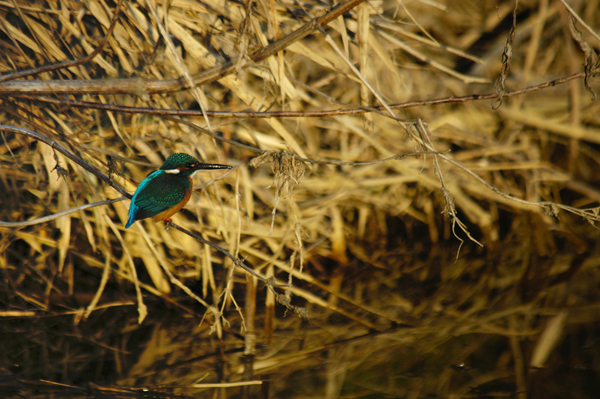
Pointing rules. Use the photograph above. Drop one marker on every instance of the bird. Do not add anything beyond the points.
(165, 191)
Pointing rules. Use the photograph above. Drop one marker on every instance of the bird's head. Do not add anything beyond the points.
(186, 165)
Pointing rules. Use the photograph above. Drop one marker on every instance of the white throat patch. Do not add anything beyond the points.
(172, 171)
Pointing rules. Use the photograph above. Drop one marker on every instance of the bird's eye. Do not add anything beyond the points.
(190, 165)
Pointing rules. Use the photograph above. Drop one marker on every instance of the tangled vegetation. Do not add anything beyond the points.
(411, 209)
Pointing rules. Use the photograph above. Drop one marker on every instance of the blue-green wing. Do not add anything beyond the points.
(155, 194)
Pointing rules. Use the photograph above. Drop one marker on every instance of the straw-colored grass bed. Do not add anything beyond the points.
(410, 211)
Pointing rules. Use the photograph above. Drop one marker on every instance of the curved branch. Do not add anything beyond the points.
(67, 153)
(270, 282)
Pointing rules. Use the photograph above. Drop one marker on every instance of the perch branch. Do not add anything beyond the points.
(18, 130)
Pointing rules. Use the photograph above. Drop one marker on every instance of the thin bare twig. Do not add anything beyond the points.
(55, 216)
(581, 21)
(392, 158)
(67, 153)
(299, 114)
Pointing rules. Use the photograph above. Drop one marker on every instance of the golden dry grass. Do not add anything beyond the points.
(435, 240)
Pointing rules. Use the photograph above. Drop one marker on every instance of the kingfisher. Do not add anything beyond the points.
(165, 191)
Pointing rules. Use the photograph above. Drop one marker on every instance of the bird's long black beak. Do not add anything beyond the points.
(210, 166)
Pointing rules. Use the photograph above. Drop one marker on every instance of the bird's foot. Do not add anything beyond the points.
(168, 223)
